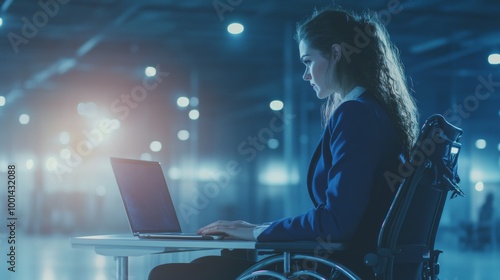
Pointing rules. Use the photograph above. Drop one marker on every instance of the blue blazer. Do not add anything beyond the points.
(346, 178)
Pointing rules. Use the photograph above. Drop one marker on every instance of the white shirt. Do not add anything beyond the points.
(354, 93)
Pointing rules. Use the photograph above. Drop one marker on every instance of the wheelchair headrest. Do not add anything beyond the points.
(451, 132)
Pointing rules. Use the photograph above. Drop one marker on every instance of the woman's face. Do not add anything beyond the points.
(317, 70)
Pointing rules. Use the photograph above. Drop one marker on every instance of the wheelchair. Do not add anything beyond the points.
(405, 246)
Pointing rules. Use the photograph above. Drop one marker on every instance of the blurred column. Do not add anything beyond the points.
(288, 110)
(193, 124)
(307, 135)
(193, 159)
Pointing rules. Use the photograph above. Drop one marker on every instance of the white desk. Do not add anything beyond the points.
(122, 246)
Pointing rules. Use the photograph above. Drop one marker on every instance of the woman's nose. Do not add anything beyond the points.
(306, 76)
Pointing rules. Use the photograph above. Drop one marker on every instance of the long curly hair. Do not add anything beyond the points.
(369, 59)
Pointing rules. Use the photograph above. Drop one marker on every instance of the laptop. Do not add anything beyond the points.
(145, 195)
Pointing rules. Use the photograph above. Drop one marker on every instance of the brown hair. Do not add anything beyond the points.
(369, 59)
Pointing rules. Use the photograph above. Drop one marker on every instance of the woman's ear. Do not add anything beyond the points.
(336, 53)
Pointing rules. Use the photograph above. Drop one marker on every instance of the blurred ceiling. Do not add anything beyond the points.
(70, 51)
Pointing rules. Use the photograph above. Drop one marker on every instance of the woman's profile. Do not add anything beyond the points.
(370, 124)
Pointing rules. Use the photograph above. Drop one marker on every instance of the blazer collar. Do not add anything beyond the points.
(354, 94)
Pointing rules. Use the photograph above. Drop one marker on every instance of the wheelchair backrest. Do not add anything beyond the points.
(407, 236)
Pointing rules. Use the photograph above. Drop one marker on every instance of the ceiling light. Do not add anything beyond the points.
(183, 135)
(494, 58)
(276, 105)
(182, 101)
(155, 146)
(29, 164)
(480, 144)
(2, 101)
(235, 28)
(194, 114)
(1, 21)
(24, 119)
(88, 109)
(479, 186)
(150, 71)
(51, 164)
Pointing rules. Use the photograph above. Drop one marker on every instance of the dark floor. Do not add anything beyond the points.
(52, 258)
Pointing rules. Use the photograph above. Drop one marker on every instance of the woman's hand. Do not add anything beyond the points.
(234, 229)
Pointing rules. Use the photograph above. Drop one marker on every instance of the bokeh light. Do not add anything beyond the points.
(155, 146)
(88, 109)
(51, 164)
(64, 138)
(30, 164)
(273, 143)
(150, 71)
(146, 156)
(182, 101)
(480, 144)
(24, 119)
(276, 105)
(174, 173)
(194, 101)
(479, 186)
(65, 153)
(194, 114)
(183, 135)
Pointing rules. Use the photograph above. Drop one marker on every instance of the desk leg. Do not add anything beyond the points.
(121, 268)
(286, 262)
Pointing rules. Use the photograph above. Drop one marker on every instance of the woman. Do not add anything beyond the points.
(370, 125)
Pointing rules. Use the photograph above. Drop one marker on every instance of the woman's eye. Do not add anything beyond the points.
(307, 62)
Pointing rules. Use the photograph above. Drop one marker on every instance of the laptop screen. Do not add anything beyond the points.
(145, 196)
